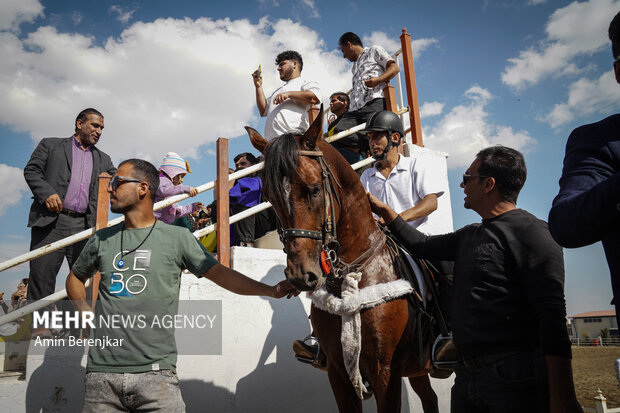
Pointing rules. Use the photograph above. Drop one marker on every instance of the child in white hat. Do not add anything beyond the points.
(171, 173)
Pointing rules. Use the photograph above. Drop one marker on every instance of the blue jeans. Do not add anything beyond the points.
(152, 391)
(515, 384)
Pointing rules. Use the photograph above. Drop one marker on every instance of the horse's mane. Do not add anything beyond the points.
(281, 159)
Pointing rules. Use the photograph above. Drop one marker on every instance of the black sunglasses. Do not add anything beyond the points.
(466, 177)
(119, 180)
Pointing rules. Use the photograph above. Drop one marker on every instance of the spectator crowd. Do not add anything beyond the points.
(509, 331)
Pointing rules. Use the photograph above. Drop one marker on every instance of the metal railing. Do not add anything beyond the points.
(59, 295)
(221, 185)
(596, 341)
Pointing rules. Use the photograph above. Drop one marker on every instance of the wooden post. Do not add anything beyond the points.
(221, 189)
(103, 200)
(103, 204)
(412, 91)
(390, 98)
(392, 105)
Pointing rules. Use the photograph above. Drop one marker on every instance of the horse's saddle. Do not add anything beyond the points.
(432, 296)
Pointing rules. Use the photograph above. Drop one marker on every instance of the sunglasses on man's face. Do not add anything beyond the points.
(119, 180)
(467, 176)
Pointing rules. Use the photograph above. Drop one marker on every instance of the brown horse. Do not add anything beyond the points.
(329, 228)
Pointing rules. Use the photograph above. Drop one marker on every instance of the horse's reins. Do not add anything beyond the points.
(331, 264)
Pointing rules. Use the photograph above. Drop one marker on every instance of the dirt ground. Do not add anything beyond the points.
(593, 368)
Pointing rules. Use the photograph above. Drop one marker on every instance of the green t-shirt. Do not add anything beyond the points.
(137, 291)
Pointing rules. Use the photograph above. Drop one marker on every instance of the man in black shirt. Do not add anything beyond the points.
(348, 147)
(509, 308)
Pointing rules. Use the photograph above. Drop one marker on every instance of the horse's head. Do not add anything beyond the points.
(304, 193)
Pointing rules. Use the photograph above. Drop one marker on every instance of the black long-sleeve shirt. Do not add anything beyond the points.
(508, 282)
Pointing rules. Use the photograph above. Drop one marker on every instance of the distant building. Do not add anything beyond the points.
(592, 322)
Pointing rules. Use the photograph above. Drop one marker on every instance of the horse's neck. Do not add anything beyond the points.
(376, 260)
(357, 230)
(359, 234)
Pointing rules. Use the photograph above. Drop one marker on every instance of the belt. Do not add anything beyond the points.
(481, 361)
(72, 213)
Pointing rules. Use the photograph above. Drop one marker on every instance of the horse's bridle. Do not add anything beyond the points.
(328, 235)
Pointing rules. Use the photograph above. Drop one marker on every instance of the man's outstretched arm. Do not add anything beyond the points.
(238, 283)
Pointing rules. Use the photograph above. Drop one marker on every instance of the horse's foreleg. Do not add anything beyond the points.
(422, 386)
(343, 390)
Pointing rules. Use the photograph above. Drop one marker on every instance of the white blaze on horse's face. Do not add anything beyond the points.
(287, 193)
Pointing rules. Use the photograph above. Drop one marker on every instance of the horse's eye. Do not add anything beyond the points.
(315, 191)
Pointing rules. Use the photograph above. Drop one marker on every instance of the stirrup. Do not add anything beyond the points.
(308, 360)
(439, 341)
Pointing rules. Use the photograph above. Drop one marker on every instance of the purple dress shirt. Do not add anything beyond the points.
(81, 169)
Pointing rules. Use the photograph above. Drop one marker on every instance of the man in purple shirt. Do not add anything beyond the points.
(62, 174)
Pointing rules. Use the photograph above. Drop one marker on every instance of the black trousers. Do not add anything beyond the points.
(513, 385)
(355, 117)
(254, 226)
(43, 270)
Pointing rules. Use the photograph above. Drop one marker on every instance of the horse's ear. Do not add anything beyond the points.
(314, 132)
(257, 140)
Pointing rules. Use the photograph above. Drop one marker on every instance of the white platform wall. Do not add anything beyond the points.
(256, 372)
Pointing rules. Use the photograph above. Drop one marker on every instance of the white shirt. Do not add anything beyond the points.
(289, 116)
(407, 184)
(371, 63)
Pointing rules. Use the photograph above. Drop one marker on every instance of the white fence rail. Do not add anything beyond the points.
(594, 342)
(59, 295)
(174, 199)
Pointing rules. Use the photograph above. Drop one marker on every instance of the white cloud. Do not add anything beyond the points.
(466, 129)
(536, 2)
(389, 43)
(15, 12)
(124, 13)
(166, 85)
(268, 3)
(76, 17)
(392, 43)
(311, 8)
(420, 45)
(568, 37)
(586, 97)
(431, 109)
(12, 187)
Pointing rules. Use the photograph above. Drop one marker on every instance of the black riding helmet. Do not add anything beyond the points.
(384, 121)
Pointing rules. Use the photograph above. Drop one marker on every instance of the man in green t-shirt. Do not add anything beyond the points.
(140, 262)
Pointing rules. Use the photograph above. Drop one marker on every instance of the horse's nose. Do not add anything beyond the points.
(303, 279)
(311, 279)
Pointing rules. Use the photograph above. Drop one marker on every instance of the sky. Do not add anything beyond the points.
(175, 76)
